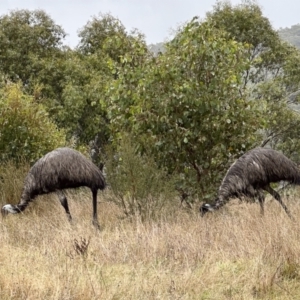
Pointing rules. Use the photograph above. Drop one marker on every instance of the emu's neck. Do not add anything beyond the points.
(219, 202)
(21, 207)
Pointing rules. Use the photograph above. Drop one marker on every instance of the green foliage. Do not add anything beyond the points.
(26, 37)
(79, 109)
(106, 36)
(96, 34)
(220, 87)
(26, 132)
(281, 120)
(184, 106)
(78, 101)
(245, 23)
(273, 73)
(140, 189)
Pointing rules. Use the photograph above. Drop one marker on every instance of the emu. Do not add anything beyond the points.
(59, 169)
(252, 174)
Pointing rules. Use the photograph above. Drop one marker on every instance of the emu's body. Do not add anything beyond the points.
(251, 174)
(60, 169)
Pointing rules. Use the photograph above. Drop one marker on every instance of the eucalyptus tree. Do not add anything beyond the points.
(26, 39)
(273, 74)
(89, 72)
(184, 106)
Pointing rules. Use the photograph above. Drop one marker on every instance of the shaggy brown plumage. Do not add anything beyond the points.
(59, 169)
(251, 174)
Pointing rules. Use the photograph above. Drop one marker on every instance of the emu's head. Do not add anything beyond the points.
(205, 208)
(8, 208)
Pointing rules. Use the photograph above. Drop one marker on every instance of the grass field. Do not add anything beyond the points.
(232, 254)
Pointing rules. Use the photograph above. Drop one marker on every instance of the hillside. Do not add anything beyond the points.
(291, 35)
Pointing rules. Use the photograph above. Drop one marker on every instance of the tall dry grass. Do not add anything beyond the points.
(232, 254)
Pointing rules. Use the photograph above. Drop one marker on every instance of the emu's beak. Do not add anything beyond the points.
(205, 208)
(8, 208)
(4, 212)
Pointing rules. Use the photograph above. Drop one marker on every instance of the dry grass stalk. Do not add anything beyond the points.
(232, 254)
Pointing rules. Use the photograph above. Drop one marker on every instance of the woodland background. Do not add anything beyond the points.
(220, 86)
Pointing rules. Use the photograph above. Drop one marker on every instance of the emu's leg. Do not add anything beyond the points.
(64, 202)
(261, 200)
(95, 218)
(278, 198)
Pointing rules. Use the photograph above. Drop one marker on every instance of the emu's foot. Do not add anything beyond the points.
(290, 216)
(96, 224)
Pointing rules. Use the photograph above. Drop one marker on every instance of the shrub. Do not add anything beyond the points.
(26, 131)
(138, 186)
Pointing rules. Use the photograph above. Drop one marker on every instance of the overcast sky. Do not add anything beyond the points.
(154, 18)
